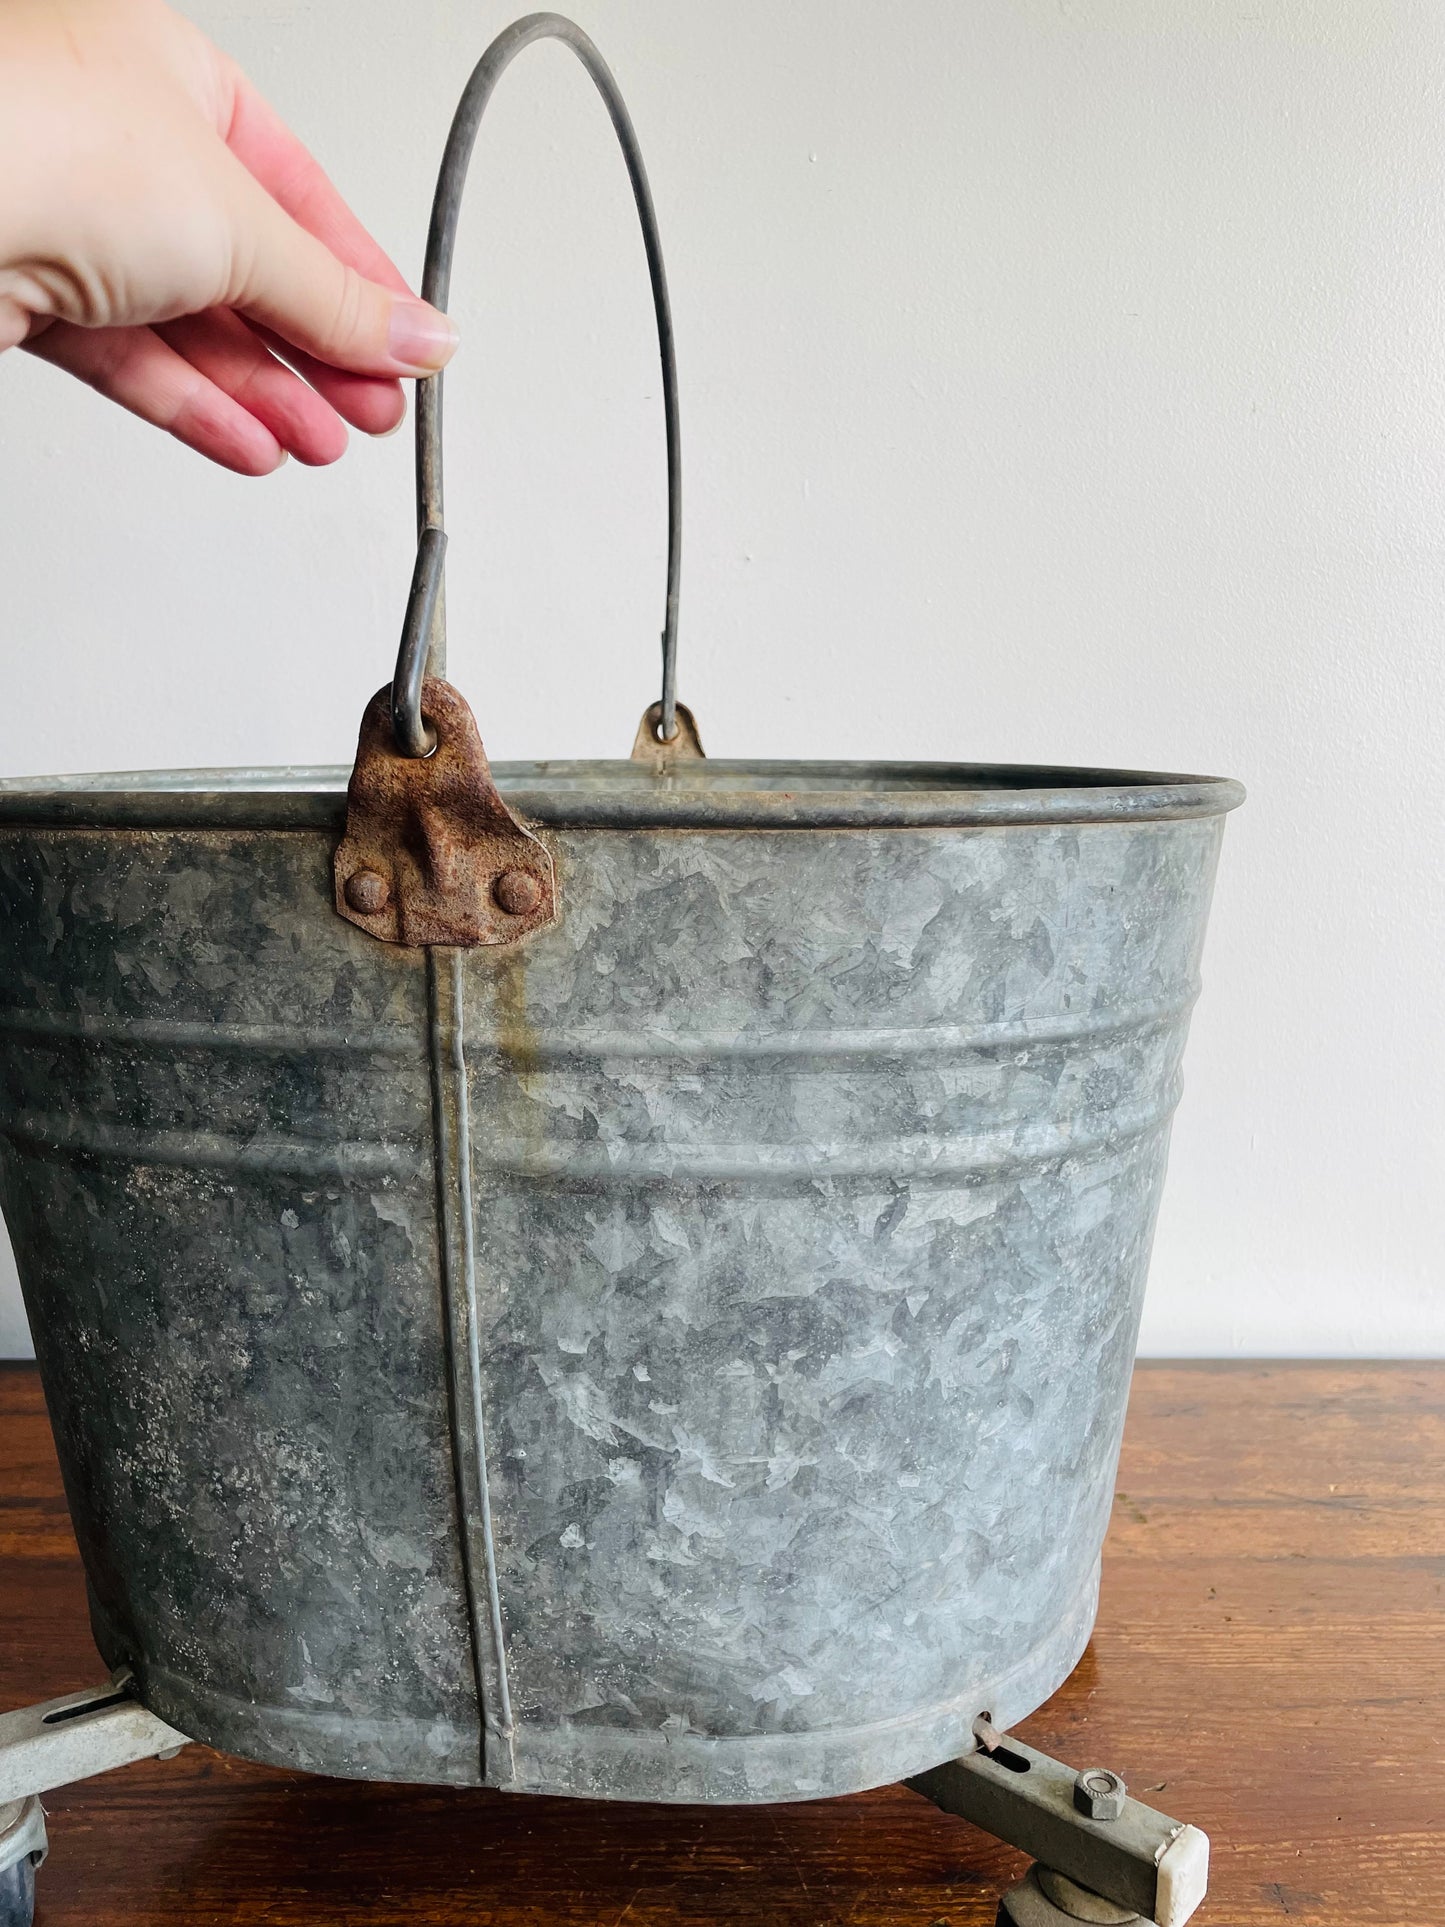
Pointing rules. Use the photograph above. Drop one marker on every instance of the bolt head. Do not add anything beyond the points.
(1099, 1793)
(367, 893)
(517, 892)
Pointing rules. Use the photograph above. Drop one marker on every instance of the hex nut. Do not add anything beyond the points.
(517, 892)
(1099, 1793)
(367, 893)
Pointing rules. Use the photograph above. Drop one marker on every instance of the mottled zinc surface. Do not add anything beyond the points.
(218, 1177)
(814, 1175)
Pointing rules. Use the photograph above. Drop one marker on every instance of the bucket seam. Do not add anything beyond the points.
(446, 1032)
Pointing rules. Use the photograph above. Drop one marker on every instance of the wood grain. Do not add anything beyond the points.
(1269, 1663)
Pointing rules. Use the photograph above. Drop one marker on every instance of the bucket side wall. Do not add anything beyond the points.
(816, 1176)
(813, 1179)
(217, 1174)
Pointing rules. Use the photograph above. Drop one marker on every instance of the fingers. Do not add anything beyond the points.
(16, 321)
(374, 406)
(146, 375)
(267, 148)
(225, 350)
(291, 283)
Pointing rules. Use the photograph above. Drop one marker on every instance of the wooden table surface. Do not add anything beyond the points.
(1269, 1664)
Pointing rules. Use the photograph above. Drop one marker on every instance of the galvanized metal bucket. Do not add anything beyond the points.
(621, 1280)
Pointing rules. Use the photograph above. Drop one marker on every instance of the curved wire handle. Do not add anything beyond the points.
(423, 637)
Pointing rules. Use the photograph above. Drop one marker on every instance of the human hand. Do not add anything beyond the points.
(166, 238)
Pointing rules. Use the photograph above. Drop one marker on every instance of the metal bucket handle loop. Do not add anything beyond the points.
(423, 639)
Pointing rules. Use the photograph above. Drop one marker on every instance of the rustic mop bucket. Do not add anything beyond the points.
(620, 1282)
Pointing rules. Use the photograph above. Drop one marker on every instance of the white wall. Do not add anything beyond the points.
(1062, 380)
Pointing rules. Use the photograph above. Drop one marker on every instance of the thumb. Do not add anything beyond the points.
(293, 284)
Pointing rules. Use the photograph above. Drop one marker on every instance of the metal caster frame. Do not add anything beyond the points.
(1104, 1860)
(50, 1745)
(1101, 1857)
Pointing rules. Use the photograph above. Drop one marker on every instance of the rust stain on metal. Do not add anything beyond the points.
(432, 855)
(684, 746)
(517, 892)
(367, 892)
(516, 1037)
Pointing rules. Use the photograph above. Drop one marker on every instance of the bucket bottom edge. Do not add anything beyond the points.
(691, 1769)
(607, 1763)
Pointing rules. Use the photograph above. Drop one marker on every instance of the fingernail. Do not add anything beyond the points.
(420, 339)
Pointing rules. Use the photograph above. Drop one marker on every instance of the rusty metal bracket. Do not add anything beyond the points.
(683, 746)
(432, 855)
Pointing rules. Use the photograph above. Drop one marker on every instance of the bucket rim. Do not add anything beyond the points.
(716, 793)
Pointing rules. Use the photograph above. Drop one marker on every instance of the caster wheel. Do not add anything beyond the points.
(17, 1894)
(1048, 1899)
(23, 1846)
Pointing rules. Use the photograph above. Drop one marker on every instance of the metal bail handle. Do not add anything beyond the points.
(423, 639)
